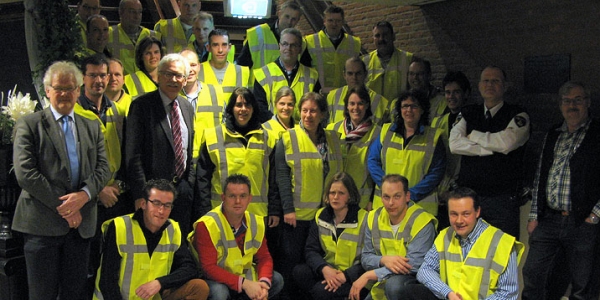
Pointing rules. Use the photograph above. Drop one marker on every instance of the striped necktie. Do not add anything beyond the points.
(177, 140)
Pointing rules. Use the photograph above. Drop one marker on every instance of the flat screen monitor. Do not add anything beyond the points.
(259, 9)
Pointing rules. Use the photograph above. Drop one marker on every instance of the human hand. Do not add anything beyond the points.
(454, 296)
(396, 263)
(290, 218)
(109, 195)
(74, 219)
(273, 221)
(357, 286)
(255, 290)
(148, 289)
(531, 225)
(332, 280)
(72, 203)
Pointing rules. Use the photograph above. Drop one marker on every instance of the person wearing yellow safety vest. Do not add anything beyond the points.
(97, 35)
(241, 146)
(334, 243)
(396, 239)
(283, 120)
(285, 71)
(327, 50)
(357, 132)
(261, 46)
(355, 73)
(471, 259)
(412, 149)
(145, 255)
(86, 9)
(147, 56)
(94, 105)
(114, 90)
(202, 25)
(456, 91)
(218, 70)
(208, 109)
(123, 37)
(177, 33)
(388, 66)
(419, 78)
(306, 157)
(231, 247)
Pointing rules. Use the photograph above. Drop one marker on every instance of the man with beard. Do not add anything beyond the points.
(387, 66)
(565, 209)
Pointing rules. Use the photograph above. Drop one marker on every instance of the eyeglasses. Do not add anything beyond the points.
(61, 90)
(94, 75)
(575, 101)
(286, 44)
(409, 106)
(159, 204)
(171, 75)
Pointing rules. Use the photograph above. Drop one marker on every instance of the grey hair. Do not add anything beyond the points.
(174, 57)
(63, 68)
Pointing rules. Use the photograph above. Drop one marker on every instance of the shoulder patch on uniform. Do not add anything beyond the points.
(520, 121)
(458, 118)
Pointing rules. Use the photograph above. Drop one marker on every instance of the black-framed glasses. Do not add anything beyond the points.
(159, 204)
(171, 75)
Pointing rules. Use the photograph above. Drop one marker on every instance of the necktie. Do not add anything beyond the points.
(71, 151)
(177, 140)
(488, 119)
(188, 33)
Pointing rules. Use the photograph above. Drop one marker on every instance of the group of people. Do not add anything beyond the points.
(164, 168)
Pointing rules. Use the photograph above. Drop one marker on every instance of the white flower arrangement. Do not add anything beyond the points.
(14, 106)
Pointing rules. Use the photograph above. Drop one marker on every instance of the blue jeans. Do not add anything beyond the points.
(219, 291)
(578, 240)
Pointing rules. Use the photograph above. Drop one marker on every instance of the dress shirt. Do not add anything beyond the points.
(415, 251)
(429, 274)
(184, 127)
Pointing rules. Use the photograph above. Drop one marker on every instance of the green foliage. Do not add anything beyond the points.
(60, 37)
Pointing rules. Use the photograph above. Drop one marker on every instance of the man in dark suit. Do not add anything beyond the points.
(159, 137)
(60, 163)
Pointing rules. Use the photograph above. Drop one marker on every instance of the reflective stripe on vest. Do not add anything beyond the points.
(346, 251)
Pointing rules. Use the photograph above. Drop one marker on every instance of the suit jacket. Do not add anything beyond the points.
(149, 149)
(43, 172)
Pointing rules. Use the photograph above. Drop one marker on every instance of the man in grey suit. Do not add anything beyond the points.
(159, 139)
(60, 163)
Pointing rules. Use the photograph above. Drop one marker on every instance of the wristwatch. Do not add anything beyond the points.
(594, 219)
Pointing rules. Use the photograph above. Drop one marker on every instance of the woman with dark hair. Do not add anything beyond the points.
(239, 146)
(285, 101)
(358, 131)
(148, 54)
(334, 243)
(412, 149)
(306, 157)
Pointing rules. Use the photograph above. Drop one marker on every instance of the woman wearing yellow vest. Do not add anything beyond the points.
(358, 132)
(147, 56)
(334, 243)
(285, 101)
(239, 146)
(306, 157)
(412, 149)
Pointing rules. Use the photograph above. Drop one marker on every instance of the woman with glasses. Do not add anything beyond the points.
(148, 54)
(334, 243)
(306, 157)
(410, 148)
(358, 131)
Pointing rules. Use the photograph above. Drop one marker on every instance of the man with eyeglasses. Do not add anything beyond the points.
(328, 49)
(86, 9)
(123, 37)
(419, 78)
(231, 247)
(159, 139)
(60, 164)
(286, 70)
(355, 73)
(145, 253)
(491, 138)
(566, 207)
(397, 237)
